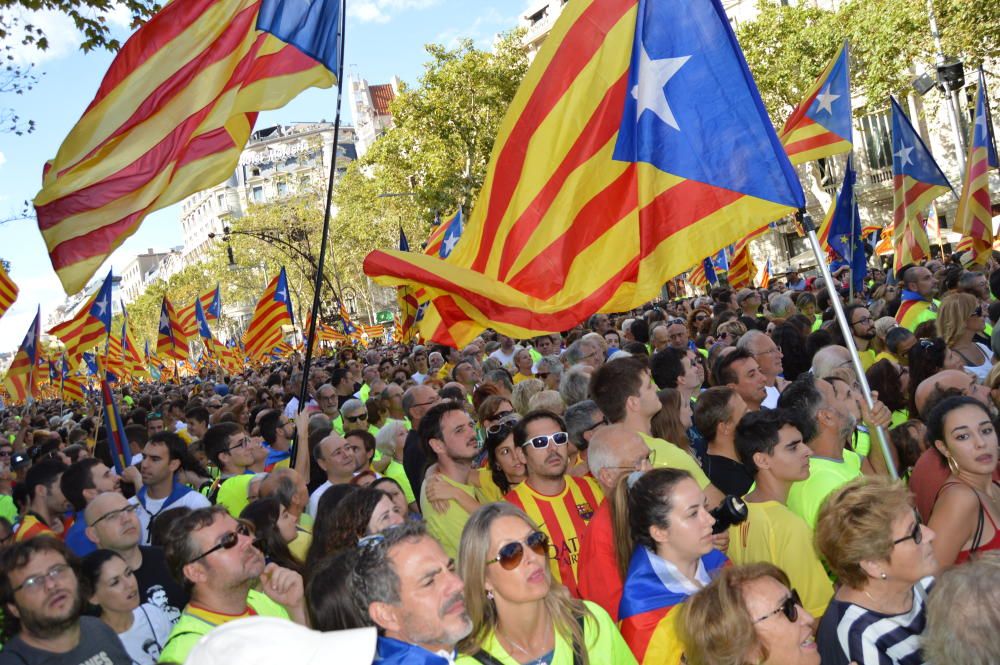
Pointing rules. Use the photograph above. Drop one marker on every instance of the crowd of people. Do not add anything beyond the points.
(697, 481)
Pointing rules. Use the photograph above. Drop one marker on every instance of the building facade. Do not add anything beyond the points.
(370, 106)
(134, 275)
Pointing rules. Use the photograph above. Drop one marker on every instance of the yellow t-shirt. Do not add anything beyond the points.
(774, 534)
(605, 645)
(396, 471)
(669, 455)
(447, 526)
(303, 538)
(488, 489)
(825, 475)
(868, 357)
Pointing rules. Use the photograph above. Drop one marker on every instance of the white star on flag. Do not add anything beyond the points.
(981, 124)
(282, 295)
(825, 101)
(903, 155)
(102, 304)
(649, 89)
(164, 322)
(449, 244)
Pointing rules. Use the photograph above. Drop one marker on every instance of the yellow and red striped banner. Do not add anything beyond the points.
(8, 291)
(974, 219)
(272, 312)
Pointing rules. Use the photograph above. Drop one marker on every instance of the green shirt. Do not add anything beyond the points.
(825, 475)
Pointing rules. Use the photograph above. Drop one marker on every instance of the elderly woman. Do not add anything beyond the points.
(748, 615)
(519, 615)
(963, 620)
(966, 513)
(871, 537)
(390, 441)
(960, 319)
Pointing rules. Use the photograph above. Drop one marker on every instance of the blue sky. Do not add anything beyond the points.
(384, 37)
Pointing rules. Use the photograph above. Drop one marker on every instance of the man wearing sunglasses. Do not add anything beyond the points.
(41, 597)
(562, 505)
(216, 558)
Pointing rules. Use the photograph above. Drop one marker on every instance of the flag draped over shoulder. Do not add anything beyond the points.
(89, 326)
(974, 219)
(172, 115)
(845, 228)
(171, 341)
(8, 291)
(820, 126)
(916, 181)
(23, 377)
(636, 144)
(273, 310)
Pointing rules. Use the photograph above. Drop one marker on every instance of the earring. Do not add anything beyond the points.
(884, 576)
(953, 465)
(489, 595)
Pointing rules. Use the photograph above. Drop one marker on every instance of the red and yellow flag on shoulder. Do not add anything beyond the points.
(172, 115)
(636, 145)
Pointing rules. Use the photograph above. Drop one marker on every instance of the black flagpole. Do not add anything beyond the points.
(318, 285)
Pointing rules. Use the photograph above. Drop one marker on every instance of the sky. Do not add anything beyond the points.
(383, 38)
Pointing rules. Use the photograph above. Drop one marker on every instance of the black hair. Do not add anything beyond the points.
(75, 479)
(757, 432)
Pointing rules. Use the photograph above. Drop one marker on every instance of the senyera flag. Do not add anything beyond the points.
(636, 145)
(23, 376)
(974, 219)
(172, 115)
(274, 310)
(820, 126)
(8, 291)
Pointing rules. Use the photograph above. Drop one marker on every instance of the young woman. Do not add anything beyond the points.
(359, 514)
(274, 528)
(672, 556)
(966, 513)
(673, 420)
(108, 582)
(519, 616)
(961, 319)
(395, 491)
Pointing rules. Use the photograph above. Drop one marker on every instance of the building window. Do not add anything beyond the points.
(282, 188)
(258, 194)
(220, 200)
(877, 130)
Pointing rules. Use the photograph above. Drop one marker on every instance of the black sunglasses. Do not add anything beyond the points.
(508, 421)
(789, 607)
(510, 555)
(917, 534)
(228, 541)
(354, 419)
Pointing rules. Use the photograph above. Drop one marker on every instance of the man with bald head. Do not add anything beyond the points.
(338, 458)
(931, 472)
(916, 298)
(830, 358)
(614, 451)
(112, 524)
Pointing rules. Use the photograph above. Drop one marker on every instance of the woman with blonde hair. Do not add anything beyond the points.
(960, 318)
(748, 615)
(523, 363)
(871, 537)
(673, 420)
(519, 615)
(523, 392)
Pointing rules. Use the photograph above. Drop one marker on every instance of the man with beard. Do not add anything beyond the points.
(562, 505)
(863, 332)
(41, 597)
(405, 584)
(214, 555)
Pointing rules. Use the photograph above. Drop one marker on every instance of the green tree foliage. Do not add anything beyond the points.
(970, 28)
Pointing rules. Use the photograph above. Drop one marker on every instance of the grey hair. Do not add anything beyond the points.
(828, 359)
(575, 352)
(352, 404)
(963, 614)
(574, 385)
(550, 364)
(385, 440)
(523, 392)
(319, 421)
(781, 306)
(374, 580)
(579, 418)
(748, 338)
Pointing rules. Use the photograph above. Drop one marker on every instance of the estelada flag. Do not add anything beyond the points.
(172, 115)
(211, 304)
(274, 310)
(820, 126)
(8, 291)
(916, 181)
(171, 342)
(23, 377)
(90, 326)
(974, 218)
(636, 145)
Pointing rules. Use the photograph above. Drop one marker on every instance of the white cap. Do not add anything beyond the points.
(269, 640)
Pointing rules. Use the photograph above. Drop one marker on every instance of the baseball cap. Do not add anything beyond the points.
(267, 640)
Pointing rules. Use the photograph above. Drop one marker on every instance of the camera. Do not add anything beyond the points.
(731, 511)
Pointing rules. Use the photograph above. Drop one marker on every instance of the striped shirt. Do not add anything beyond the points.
(563, 518)
(850, 633)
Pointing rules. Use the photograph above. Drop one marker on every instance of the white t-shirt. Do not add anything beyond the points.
(980, 371)
(149, 632)
(771, 398)
(506, 359)
(316, 496)
(154, 507)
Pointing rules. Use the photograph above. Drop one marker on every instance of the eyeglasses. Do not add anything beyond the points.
(978, 311)
(245, 442)
(504, 425)
(371, 540)
(510, 555)
(433, 401)
(354, 419)
(38, 581)
(676, 321)
(917, 534)
(127, 510)
(542, 375)
(638, 466)
(540, 442)
(228, 541)
(789, 607)
(700, 318)
(864, 321)
(602, 421)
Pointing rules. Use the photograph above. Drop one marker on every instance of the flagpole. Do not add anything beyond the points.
(318, 284)
(845, 329)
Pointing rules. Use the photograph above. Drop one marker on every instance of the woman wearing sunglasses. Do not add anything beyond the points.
(871, 537)
(966, 513)
(519, 615)
(748, 615)
(961, 321)
(671, 556)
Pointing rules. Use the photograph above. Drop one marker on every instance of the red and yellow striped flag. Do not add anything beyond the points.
(974, 219)
(172, 115)
(273, 311)
(615, 168)
(741, 266)
(22, 380)
(171, 342)
(211, 305)
(8, 291)
(113, 359)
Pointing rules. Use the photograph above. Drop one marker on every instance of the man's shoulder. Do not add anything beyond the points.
(194, 499)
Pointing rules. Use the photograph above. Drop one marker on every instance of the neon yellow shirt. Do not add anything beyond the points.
(447, 526)
(825, 475)
(774, 534)
(669, 455)
(396, 471)
(604, 644)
